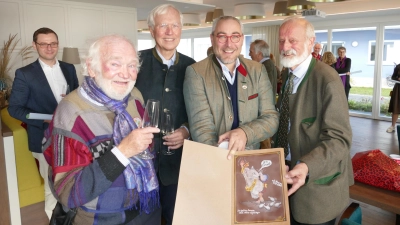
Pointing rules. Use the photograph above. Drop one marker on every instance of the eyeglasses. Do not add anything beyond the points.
(45, 45)
(173, 26)
(224, 38)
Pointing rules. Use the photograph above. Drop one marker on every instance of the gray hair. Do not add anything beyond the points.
(309, 27)
(94, 54)
(261, 46)
(216, 21)
(161, 10)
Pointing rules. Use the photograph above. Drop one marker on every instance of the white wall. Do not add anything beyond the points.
(75, 23)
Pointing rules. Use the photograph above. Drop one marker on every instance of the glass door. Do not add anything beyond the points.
(358, 43)
(390, 57)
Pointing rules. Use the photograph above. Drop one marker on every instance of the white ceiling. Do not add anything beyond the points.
(347, 9)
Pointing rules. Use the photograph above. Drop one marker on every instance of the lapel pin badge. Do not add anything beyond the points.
(244, 87)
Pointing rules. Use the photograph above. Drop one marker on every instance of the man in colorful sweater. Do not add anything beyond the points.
(93, 142)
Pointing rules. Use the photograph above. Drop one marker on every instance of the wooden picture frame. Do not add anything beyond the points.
(260, 189)
(206, 187)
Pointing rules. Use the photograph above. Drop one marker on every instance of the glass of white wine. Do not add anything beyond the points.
(167, 128)
(150, 119)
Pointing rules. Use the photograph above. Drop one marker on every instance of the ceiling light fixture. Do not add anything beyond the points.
(191, 19)
(209, 17)
(280, 9)
(249, 11)
(217, 13)
(142, 26)
(300, 5)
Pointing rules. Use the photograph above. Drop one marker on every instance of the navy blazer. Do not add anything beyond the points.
(31, 93)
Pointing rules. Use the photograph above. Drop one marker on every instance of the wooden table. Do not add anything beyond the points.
(381, 198)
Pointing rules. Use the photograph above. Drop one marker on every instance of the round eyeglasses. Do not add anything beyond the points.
(224, 38)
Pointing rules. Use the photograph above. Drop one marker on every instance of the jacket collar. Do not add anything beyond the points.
(155, 54)
(241, 69)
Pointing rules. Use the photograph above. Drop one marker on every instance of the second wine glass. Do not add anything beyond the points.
(167, 128)
(150, 119)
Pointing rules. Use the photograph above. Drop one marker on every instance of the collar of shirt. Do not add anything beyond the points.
(169, 62)
(300, 72)
(227, 73)
(264, 59)
(44, 65)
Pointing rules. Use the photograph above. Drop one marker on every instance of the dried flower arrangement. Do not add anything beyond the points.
(7, 59)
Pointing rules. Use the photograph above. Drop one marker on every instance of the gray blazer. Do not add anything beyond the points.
(209, 107)
(320, 135)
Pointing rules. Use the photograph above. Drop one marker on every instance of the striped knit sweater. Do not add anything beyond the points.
(84, 172)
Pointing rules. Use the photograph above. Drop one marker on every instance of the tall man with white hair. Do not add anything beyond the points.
(314, 129)
(228, 97)
(93, 142)
(259, 52)
(161, 78)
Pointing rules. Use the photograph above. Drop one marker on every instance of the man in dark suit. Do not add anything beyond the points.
(314, 129)
(37, 88)
(259, 52)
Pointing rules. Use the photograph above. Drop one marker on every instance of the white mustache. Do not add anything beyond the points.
(288, 52)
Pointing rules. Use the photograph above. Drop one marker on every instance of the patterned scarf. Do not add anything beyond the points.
(140, 173)
(340, 63)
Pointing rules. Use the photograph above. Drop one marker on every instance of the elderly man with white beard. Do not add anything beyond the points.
(93, 142)
(314, 129)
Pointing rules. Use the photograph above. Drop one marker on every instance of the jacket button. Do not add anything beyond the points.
(230, 117)
(229, 98)
(223, 78)
(166, 110)
(166, 89)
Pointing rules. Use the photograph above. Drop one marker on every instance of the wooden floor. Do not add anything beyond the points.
(367, 135)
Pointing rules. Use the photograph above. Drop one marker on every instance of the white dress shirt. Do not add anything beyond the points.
(227, 73)
(55, 78)
(168, 62)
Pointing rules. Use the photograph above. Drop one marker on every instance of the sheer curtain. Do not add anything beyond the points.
(270, 34)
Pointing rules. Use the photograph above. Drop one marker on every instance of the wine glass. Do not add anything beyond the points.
(167, 128)
(150, 119)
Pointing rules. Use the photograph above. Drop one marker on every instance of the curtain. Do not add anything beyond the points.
(270, 34)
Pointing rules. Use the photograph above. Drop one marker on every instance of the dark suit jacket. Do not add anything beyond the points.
(31, 93)
(272, 75)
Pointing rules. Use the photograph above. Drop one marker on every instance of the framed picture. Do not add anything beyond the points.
(260, 191)
(248, 189)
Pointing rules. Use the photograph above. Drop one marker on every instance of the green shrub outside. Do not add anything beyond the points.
(365, 105)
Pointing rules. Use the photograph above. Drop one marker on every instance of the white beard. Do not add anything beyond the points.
(109, 91)
(295, 60)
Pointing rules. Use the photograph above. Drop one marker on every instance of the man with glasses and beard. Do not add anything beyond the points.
(314, 129)
(228, 97)
(38, 88)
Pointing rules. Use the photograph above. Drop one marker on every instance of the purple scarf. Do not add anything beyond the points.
(340, 65)
(140, 173)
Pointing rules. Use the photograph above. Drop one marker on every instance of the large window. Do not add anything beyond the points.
(200, 46)
(356, 41)
(390, 57)
(185, 46)
(390, 50)
(144, 44)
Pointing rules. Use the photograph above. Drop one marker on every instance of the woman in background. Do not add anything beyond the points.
(329, 59)
(342, 66)
(394, 105)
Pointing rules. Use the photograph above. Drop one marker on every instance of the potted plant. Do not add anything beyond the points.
(7, 59)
